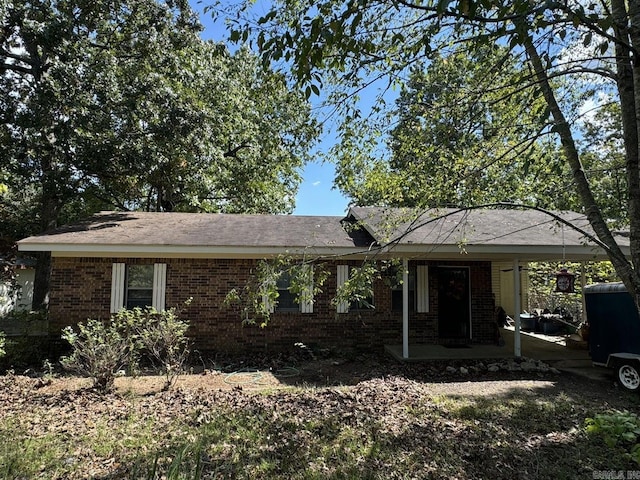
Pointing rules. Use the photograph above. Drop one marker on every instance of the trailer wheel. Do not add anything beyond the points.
(628, 375)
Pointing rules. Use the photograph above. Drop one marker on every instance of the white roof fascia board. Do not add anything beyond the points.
(504, 251)
(110, 250)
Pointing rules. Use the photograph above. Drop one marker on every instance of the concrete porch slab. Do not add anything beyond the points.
(537, 346)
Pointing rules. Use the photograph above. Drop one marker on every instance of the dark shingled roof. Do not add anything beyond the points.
(201, 229)
(499, 226)
(441, 233)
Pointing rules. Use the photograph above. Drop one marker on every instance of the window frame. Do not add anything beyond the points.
(128, 288)
(412, 293)
(356, 306)
(283, 285)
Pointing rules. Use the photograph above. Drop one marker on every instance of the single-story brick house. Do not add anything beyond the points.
(455, 262)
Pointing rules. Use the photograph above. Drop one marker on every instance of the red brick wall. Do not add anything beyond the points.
(81, 289)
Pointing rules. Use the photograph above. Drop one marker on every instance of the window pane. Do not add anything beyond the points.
(366, 304)
(139, 298)
(286, 300)
(139, 286)
(140, 276)
(396, 294)
(283, 282)
(396, 300)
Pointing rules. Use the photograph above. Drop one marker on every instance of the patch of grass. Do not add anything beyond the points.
(126, 437)
(23, 455)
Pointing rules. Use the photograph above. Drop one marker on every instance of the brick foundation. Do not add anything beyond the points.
(81, 289)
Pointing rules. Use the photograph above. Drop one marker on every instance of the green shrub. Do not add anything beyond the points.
(101, 349)
(617, 428)
(158, 336)
(3, 341)
(22, 352)
(25, 322)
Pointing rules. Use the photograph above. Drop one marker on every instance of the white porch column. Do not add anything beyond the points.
(405, 308)
(517, 350)
(583, 281)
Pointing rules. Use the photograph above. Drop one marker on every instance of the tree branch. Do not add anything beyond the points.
(233, 152)
(561, 126)
(8, 67)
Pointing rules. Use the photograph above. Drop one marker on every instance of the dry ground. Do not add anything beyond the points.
(367, 417)
(278, 373)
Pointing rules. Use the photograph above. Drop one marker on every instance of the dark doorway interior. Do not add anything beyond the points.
(454, 311)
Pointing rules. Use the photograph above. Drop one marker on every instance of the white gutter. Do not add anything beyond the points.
(534, 252)
(192, 251)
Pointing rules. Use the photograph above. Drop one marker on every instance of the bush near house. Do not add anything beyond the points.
(25, 343)
(25, 323)
(101, 349)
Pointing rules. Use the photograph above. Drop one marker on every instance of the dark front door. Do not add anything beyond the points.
(454, 305)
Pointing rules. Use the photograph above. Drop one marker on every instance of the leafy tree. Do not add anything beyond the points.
(233, 140)
(349, 43)
(603, 157)
(120, 104)
(456, 141)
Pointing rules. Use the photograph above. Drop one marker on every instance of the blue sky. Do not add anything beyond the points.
(316, 195)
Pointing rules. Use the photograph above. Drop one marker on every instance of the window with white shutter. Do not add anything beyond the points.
(118, 273)
(422, 288)
(289, 301)
(342, 275)
(138, 286)
(306, 296)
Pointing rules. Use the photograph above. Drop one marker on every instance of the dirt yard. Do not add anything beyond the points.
(264, 373)
(365, 417)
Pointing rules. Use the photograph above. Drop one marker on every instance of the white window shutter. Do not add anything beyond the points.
(306, 296)
(117, 286)
(422, 288)
(159, 285)
(269, 305)
(342, 275)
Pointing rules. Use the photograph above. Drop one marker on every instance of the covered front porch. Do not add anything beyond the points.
(454, 299)
(536, 346)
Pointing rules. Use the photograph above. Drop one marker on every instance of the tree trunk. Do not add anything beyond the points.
(41, 281)
(49, 211)
(628, 83)
(623, 267)
(633, 161)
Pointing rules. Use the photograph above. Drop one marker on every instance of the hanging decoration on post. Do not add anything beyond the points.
(565, 281)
